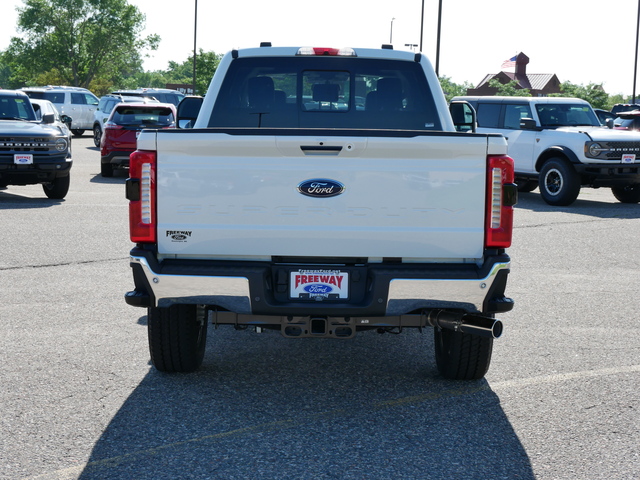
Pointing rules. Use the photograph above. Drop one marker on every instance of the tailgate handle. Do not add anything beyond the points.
(321, 149)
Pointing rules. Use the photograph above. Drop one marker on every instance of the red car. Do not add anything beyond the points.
(121, 131)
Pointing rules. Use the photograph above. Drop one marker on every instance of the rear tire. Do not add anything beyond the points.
(559, 182)
(177, 337)
(57, 189)
(627, 194)
(461, 356)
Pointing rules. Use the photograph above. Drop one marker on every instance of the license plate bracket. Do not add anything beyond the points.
(319, 284)
(23, 159)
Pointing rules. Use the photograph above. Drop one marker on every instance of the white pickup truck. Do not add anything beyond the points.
(320, 192)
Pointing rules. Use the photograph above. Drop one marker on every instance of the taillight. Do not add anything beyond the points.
(141, 193)
(502, 195)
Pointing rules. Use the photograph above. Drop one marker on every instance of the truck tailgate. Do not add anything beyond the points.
(419, 197)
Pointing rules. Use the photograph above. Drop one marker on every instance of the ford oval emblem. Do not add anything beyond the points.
(320, 187)
(318, 288)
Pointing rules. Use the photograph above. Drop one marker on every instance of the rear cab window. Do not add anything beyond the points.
(314, 92)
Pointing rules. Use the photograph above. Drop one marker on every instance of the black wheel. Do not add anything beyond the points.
(77, 133)
(559, 183)
(525, 185)
(627, 194)
(106, 169)
(177, 337)
(97, 135)
(461, 356)
(57, 189)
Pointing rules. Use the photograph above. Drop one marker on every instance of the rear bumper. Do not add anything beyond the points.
(261, 288)
(120, 158)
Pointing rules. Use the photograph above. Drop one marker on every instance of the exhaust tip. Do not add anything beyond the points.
(497, 329)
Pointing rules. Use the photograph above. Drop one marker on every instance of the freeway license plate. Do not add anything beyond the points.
(23, 159)
(628, 158)
(319, 284)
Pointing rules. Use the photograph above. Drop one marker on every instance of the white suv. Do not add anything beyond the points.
(559, 145)
(78, 103)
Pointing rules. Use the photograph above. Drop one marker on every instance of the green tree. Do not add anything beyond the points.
(592, 93)
(452, 89)
(206, 65)
(510, 89)
(77, 41)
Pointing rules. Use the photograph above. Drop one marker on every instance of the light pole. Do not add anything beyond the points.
(422, 24)
(438, 42)
(391, 31)
(195, 32)
(635, 64)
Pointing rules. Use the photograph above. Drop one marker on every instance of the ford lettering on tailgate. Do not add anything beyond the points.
(319, 284)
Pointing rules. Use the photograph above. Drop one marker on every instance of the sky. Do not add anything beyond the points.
(582, 42)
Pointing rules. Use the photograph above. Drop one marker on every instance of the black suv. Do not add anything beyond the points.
(624, 107)
(33, 151)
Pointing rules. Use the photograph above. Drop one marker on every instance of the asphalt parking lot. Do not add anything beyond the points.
(79, 400)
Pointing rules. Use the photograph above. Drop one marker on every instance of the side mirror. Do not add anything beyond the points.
(609, 122)
(188, 110)
(528, 124)
(66, 119)
(463, 116)
(48, 118)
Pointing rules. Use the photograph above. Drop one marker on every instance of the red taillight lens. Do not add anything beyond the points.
(142, 204)
(320, 51)
(502, 195)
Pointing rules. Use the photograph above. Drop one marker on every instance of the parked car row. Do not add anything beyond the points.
(83, 106)
(35, 133)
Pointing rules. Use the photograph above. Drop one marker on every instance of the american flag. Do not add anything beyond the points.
(509, 63)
